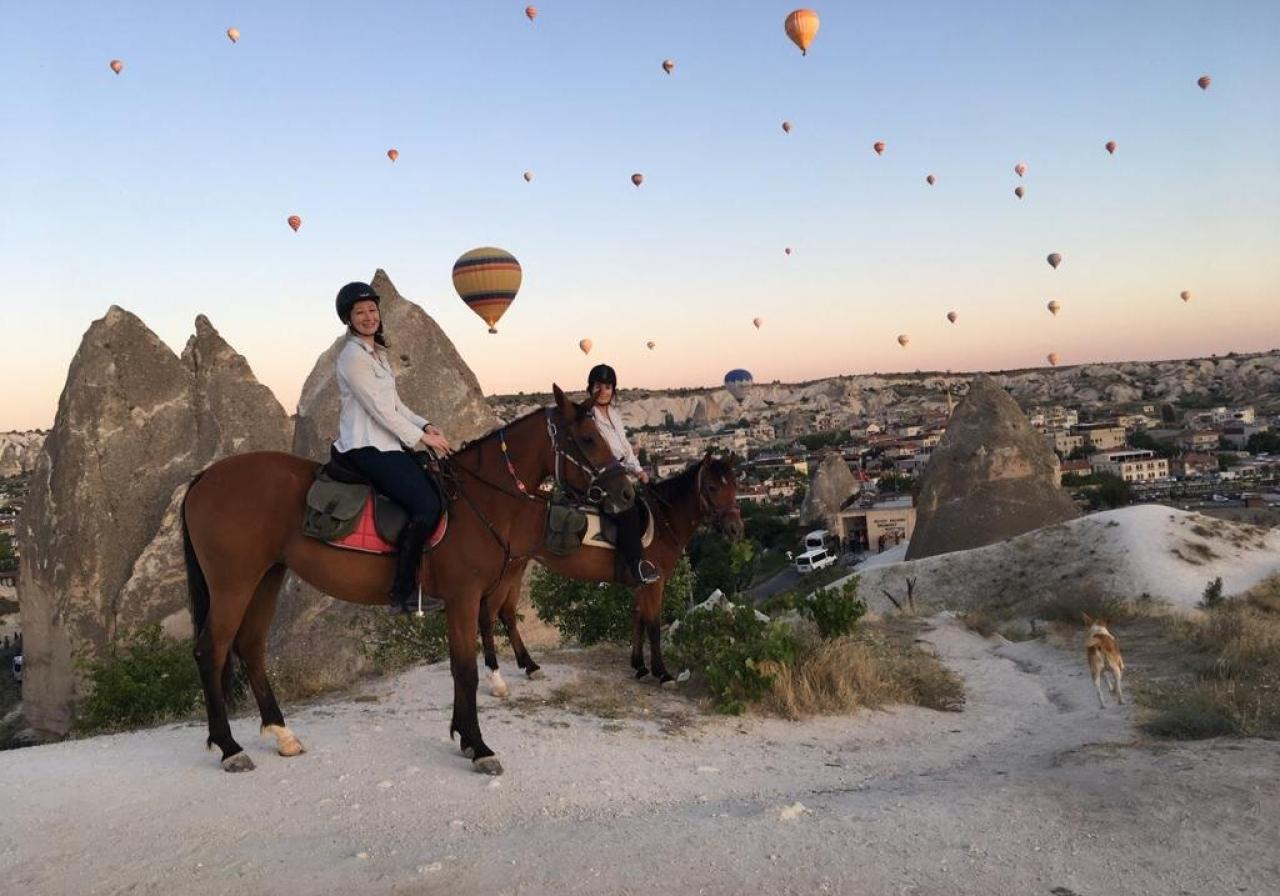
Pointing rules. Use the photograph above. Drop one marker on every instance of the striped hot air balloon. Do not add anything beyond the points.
(487, 279)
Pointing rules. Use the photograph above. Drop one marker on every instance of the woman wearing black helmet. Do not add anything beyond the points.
(376, 430)
(602, 382)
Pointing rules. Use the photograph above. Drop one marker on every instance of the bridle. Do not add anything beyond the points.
(595, 493)
(708, 508)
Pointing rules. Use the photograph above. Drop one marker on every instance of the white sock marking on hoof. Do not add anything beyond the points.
(287, 744)
(497, 687)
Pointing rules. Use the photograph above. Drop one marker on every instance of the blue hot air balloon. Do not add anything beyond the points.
(738, 381)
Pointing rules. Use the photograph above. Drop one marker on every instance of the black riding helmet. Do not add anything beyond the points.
(349, 295)
(602, 373)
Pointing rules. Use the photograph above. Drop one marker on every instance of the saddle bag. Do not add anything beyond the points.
(333, 508)
(566, 526)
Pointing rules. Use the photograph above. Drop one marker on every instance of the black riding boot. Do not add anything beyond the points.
(404, 589)
(636, 570)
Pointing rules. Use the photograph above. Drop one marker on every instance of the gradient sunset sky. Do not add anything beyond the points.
(165, 189)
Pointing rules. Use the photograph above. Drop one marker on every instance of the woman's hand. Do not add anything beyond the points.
(643, 476)
(435, 440)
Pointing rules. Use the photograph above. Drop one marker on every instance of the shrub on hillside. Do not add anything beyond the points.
(835, 611)
(146, 681)
(589, 613)
(398, 642)
(1212, 597)
(728, 648)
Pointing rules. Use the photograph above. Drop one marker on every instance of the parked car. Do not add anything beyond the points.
(17, 668)
(810, 561)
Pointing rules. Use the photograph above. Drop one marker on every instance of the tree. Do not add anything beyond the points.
(1111, 492)
(1266, 442)
(1144, 441)
(8, 559)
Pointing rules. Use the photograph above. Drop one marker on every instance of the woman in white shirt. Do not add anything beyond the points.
(376, 432)
(602, 383)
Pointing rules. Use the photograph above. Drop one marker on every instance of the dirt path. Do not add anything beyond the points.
(1031, 788)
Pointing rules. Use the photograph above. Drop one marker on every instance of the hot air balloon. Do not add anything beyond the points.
(951, 316)
(787, 251)
(903, 339)
(585, 345)
(531, 12)
(295, 222)
(668, 65)
(1019, 192)
(802, 27)
(1204, 81)
(393, 154)
(650, 344)
(234, 34)
(757, 322)
(637, 178)
(1052, 358)
(1020, 169)
(1111, 147)
(528, 176)
(738, 382)
(1053, 307)
(116, 65)
(878, 146)
(487, 279)
(786, 127)
(929, 179)
(1054, 260)
(1185, 295)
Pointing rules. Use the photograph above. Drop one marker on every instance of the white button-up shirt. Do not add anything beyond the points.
(372, 414)
(610, 424)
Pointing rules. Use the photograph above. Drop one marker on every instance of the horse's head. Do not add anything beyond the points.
(718, 494)
(592, 470)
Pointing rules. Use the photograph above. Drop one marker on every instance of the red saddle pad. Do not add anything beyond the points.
(365, 536)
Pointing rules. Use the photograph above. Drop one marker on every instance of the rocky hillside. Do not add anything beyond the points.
(18, 452)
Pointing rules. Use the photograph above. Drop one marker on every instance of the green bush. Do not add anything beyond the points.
(1212, 597)
(589, 613)
(145, 682)
(835, 612)
(398, 642)
(725, 648)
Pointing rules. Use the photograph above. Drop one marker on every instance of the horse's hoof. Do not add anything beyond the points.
(667, 682)
(291, 748)
(240, 762)
(641, 673)
(536, 674)
(487, 765)
(469, 752)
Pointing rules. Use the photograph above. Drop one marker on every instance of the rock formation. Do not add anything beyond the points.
(831, 485)
(19, 452)
(101, 554)
(990, 478)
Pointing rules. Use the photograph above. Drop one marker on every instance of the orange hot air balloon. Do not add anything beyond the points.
(637, 178)
(1185, 295)
(295, 222)
(116, 66)
(531, 12)
(1019, 192)
(1054, 260)
(651, 345)
(585, 345)
(802, 28)
(393, 154)
(1111, 147)
(951, 316)
(758, 322)
(487, 280)
(878, 146)
(1204, 81)
(528, 176)
(1053, 307)
(233, 34)
(668, 65)
(786, 127)
(1052, 358)
(903, 339)
(929, 179)
(1020, 169)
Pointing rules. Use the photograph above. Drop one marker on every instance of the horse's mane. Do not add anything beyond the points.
(493, 433)
(684, 481)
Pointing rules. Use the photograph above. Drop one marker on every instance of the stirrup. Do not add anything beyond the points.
(647, 572)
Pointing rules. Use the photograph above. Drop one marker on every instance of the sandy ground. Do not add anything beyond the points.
(1032, 789)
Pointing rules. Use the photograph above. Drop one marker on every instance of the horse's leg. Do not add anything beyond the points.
(497, 687)
(251, 645)
(508, 615)
(213, 655)
(650, 602)
(637, 643)
(462, 614)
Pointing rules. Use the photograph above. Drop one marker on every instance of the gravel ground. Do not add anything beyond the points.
(1032, 789)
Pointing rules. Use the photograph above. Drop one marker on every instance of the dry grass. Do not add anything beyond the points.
(873, 668)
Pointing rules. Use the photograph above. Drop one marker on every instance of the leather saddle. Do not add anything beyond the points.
(602, 532)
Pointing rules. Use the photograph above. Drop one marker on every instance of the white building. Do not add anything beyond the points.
(1131, 465)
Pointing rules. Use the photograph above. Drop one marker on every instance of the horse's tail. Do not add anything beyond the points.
(197, 586)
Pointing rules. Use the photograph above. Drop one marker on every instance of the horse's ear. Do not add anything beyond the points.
(561, 400)
(1088, 620)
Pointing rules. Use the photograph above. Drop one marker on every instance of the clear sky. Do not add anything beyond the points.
(165, 189)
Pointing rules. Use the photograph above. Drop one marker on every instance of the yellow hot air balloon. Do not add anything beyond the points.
(116, 65)
(1185, 295)
(528, 176)
(651, 345)
(1019, 192)
(903, 339)
(1052, 358)
(1053, 307)
(758, 322)
(295, 222)
(1054, 260)
(802, 27)
(487, 279)
(951, 316)
(233, 34)
(637, 178)
(786, 127)
(585, 345)
(393, 154)
(668, 65)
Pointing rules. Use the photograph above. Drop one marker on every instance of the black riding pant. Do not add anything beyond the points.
(397, 475)
(631, 524)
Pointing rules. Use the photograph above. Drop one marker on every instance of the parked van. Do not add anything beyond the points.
(820, 538)
(813, 560)
(17, 668)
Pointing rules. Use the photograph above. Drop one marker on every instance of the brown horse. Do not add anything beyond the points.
(705, 491)
(242, 528)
